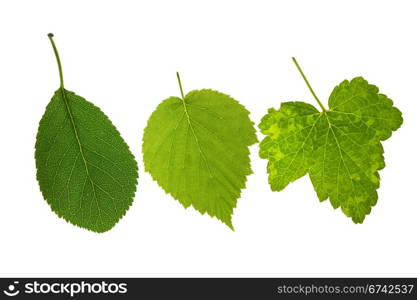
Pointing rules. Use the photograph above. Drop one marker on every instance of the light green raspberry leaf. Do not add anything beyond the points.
(84, 168)
(197, 148)
(340, 147)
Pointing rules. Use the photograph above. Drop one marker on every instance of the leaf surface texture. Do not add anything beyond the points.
(196, 148)
(85, 170)
(340, 148)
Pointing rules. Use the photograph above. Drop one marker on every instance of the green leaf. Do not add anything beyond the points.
(196, 148)
(340, 148)
(85, 170)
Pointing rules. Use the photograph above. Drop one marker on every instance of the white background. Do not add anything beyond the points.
(123, 55)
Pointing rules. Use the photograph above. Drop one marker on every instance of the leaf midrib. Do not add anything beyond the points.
(195, 136)
(341, 155)
(80, 147)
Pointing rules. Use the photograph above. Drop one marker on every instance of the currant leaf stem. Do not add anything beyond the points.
(308, 84)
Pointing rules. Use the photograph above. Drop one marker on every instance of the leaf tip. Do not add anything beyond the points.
(228, 223)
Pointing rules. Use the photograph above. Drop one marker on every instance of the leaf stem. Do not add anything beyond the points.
(179, 83)
(308, 84)
(61, 77)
